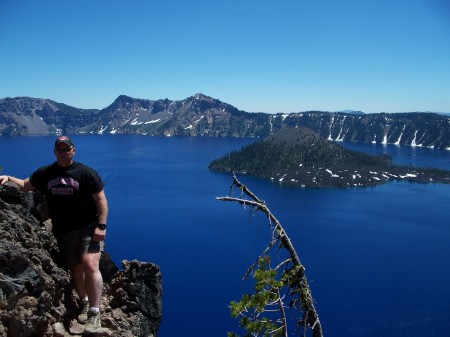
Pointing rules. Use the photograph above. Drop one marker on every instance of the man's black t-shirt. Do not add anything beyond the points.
(68, 191)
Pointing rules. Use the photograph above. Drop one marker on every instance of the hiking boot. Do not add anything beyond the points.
(93, 323)
(83, 316)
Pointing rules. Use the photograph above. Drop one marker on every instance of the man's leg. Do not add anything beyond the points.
(87, 281)
(78, 280)
(93, 284)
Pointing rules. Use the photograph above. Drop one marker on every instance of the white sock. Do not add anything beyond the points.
(86, 299)
(95, 309)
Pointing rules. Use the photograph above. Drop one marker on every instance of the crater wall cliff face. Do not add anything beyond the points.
(36, 298)
(200, 115)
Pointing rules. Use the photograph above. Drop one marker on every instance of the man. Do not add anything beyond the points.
(78, 210)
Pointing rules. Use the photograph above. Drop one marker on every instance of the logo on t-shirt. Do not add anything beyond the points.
(63, 186)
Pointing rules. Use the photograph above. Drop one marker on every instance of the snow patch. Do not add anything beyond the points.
(198, 120)
(331, 173)
(413, 143)
(102, 129)
(135, 122)
(409, 175)
(153, 121)
(400, 137)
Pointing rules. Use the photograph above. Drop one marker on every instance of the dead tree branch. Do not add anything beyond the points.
(294, 274)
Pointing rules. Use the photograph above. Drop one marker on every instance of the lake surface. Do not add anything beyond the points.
(378, 259)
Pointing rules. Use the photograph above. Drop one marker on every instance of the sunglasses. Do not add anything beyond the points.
(63, 149)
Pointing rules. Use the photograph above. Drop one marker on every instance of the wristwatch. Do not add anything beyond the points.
(101, 226)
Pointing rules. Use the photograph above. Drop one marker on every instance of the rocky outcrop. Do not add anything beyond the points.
(23, 116)
(200, 115)
(36, 298)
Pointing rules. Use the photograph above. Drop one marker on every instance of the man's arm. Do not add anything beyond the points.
(102, 206)
(24, 184)
(102, 214)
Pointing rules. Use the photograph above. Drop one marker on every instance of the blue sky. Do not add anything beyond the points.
(257, 55)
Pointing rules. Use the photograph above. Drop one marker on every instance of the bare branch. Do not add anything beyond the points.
(252, 267)
(298, 283)
(282, 264)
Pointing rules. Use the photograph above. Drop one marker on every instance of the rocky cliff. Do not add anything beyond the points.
(21, 116)
(36, 298)
(201, 115)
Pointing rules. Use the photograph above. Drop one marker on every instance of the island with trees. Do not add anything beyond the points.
(301, 157)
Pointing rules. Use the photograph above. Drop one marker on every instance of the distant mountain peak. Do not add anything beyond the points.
(122, 98)
(352, 112)
(201, 96)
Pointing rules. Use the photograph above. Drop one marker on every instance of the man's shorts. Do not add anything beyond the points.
(73, 244)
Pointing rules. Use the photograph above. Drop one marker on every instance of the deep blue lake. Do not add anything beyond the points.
(378, 259)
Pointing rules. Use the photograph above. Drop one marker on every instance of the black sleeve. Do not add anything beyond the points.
(94, 181)
(37, 179)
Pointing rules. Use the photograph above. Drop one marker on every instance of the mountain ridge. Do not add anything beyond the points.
(201, 115)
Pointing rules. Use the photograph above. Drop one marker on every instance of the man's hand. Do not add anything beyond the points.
(24, 185)
(3, 179)
(99, 234)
